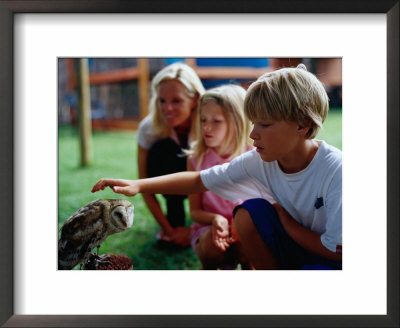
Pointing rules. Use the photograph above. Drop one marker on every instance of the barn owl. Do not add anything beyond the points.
(88, 227)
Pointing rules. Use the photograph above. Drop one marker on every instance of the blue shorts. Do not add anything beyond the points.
(289, 254)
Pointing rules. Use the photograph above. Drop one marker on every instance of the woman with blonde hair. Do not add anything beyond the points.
(176, 90)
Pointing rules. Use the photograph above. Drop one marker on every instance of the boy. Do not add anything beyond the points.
(300, 226)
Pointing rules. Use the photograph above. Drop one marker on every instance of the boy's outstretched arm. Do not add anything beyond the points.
(305, 237)
(181, 183)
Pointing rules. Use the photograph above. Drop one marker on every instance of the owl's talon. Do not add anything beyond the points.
(104, 261)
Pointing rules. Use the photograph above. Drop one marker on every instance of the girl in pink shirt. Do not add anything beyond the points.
(222, 135)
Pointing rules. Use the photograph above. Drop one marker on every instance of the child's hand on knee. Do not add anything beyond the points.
(220, 232)
(283, 215)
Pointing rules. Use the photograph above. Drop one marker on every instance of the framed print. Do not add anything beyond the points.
(45, 297)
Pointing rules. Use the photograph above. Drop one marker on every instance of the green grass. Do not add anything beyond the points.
(332, 129)
(114, 155)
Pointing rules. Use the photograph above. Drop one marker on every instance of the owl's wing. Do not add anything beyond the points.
(79, 235)
(72, 252)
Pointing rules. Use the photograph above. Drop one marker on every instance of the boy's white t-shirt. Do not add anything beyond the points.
(313, 196)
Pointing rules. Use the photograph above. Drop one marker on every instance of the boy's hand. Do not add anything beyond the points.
(220, 232)
(284, 216)
(119, 186)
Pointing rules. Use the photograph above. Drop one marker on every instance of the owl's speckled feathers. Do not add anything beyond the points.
(88, 227)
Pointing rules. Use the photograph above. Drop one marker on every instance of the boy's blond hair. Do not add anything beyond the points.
(181, 73)
(289, 94)
(231, 99)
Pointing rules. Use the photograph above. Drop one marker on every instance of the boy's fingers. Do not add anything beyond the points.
(113, 182)
(123, 190)
(100, 185)
(278, 208)
(119, 190)
(96, 187)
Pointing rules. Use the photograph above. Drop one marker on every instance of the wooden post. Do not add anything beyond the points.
(143, 86)
(85, 120)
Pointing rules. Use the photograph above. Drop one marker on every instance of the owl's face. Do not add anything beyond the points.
(88, 227)
(121, 215)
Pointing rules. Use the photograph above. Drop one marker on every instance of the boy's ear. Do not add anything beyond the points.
(303, 129)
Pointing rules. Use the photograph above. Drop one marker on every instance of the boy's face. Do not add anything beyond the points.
(277, 140)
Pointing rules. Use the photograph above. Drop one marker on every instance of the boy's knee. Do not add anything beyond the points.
(252, 213)
(243, 222)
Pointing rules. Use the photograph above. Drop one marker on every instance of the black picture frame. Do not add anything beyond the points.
(11, 7)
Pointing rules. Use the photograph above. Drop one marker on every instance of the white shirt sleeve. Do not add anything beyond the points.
(145, 137)
(237, 179)
(332, 237)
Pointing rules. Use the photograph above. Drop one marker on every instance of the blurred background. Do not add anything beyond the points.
(119, 87)
(100, 104)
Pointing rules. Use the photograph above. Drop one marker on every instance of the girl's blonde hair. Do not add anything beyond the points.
(231, 99)
(187, 77)
(289, 94)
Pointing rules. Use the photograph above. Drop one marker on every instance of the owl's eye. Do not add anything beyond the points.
(118, 215)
